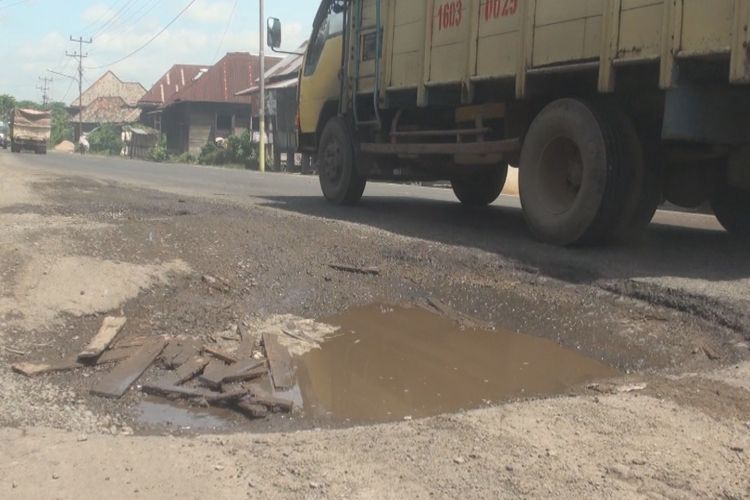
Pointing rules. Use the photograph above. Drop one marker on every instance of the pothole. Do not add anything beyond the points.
(381, 363)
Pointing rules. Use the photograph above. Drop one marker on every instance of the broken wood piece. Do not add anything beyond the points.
(279, 361)
(168, 390)
(188, 371)
(17, 352)
(179, 352)
(300, 336)
(131, 342)
(219, 354)
(31, 369)
(243, 370)
(259, 396)
(247, 342)
(251, 409)
(117, 382)
(111, 326)
(373, 271)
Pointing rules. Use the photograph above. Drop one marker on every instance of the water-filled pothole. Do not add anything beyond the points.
(385, 363)
(392, 362)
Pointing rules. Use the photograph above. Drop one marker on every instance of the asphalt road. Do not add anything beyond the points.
(685, 261)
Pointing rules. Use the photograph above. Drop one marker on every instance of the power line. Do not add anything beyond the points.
(112, 19)
(170, 23)
(101, 17)
(226, 30)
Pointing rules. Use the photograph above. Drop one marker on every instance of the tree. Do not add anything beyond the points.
(62, 130)
(7, 103)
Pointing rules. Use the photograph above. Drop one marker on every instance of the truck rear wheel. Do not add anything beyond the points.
(480, 188)
(575, 177)
(339, 179)
(731, 206)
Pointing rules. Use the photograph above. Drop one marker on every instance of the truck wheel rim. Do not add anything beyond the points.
(332, 164)
(561, 174)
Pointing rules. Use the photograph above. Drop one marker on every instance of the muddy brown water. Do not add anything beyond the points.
(392, 362)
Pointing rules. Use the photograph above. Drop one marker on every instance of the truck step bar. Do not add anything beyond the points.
(465, 148)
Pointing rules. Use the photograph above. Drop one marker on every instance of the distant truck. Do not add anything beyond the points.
(30, 129)
(607, 107)
(4, 135)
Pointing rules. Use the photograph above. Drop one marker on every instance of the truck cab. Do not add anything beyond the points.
(320, 77)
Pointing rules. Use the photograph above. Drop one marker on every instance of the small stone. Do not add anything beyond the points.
(459, 460)
(55, 475)
(218, 467)
(638, 461)
(14, 485)
(314, 485)
(408, 418)
(738, 449)
(82, 438)
(509, 468)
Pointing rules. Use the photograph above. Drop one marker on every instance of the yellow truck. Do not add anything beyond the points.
(607, 107)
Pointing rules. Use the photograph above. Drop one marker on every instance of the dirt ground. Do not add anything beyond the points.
(676, 424)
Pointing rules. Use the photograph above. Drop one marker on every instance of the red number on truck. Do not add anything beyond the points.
(494, 9)
(450, 14)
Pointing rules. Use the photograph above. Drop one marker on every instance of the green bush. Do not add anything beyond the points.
(159, 152)
(238, 149)
(183, 158)
(105, 139)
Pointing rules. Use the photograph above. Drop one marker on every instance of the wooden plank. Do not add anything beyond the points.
(188, 371)
(167, 390)
(32, 369)
(280, 362)
(374, 271)
(259, 396)
(251, 409)
(219, 354)
(111, 326)
(179, 352)
(247, 342)
(117, 382)
(243, 370)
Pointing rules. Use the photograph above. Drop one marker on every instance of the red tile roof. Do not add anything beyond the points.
(177, 78)
(234, 72)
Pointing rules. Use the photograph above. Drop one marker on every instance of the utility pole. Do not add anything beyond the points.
(262, 116)
(44, 89)
(80, 56)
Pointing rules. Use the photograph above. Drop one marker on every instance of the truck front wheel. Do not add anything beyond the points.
(482, 188)
(339, 179)
(576, 175)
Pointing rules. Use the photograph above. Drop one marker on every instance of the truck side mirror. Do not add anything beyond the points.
(274, 33)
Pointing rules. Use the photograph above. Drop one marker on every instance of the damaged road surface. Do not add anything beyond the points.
(174, 343)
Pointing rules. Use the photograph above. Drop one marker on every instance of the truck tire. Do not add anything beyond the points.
(575, 178)
(731, 206)
(645, 193)
(339, 179)
(481, 188)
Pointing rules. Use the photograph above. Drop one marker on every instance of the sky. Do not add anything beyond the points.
(34, 35)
